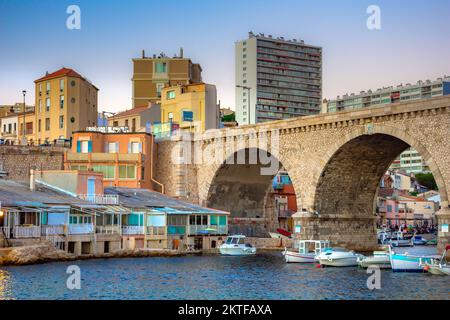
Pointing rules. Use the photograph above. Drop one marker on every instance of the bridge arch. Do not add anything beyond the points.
(345, 188)
(244, 191)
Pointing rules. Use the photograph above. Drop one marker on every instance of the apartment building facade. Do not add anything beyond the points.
(137, 119)
(9, 128)
(65, 102)
(125, 159)
(151, 74)
(276, 79)
(193, 107)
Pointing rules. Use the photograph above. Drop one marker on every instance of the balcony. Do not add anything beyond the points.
(81, 228)
(207, 229)
(104, 157)
(100, 198)
(108, 229)
(129, 230)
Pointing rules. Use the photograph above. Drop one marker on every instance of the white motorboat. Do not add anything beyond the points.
(400, 239)
(235, 246)
(301, 252)
(380, 259)
(338, 257)
(405, 262)
(437, 266)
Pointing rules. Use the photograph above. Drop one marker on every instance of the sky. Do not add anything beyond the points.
(412, 44)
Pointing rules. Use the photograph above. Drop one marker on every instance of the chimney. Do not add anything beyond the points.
(143, 54)
(46, 73)
(181, 52)
(32, 180)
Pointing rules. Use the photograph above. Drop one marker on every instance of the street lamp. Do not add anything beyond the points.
(24, 138)
(248, 93)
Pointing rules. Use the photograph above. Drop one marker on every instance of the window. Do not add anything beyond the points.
(72, 83)
(170, 95)
(127, 172)
(135, 147)
(61, 122)
(40, 106)
(108, 171)
(61, 102)
(61, 85)
(113, 147)
(72, 100)
(47, 104)
(159, 87)
(126, 123)
(78, 167)
(40, 88)
(160, 67)
(39, 125)
(84, 146)
(48, 87)
(47, 124)
(115, 123)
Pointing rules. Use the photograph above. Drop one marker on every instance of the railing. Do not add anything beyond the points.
(107, 229)
(5, 232)
(26, 232)
(100, 198)
(133, 230)
(53, 230)
(205, 229)
(57, 241)
(156, 231)
(81, 228)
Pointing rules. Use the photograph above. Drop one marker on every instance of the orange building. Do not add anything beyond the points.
(125, 159)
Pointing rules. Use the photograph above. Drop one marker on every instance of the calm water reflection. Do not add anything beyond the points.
(264, 276)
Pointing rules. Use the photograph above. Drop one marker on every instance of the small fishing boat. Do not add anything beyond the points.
(400, 239)
(405, 262)
(235, 246)
(338, 257)
(437, 266)
(379, 258)
(431, 242)
(419, 241)
(301, 252)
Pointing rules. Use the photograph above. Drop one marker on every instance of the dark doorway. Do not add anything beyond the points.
(106, 247)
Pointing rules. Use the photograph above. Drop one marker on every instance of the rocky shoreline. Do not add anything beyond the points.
(36, 254)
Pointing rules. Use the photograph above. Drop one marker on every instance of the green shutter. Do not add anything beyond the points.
(222, 220)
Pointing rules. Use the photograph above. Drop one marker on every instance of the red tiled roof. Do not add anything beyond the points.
(130, 112)
(61, 72)
(385, 192)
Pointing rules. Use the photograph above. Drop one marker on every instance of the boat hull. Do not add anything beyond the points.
(405, 263)
(339, 262)
(295, 257)
(237, 251)
(382, 262)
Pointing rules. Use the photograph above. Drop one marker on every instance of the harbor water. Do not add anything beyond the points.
(264, 276)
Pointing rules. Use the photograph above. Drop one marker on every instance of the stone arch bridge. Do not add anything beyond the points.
(335, 162)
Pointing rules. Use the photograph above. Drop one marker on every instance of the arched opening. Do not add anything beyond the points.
(243, 189)
(351, 197)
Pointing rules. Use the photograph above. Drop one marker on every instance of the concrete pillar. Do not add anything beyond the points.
(443, 238)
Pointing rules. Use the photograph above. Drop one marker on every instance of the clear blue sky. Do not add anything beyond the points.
(413, 42)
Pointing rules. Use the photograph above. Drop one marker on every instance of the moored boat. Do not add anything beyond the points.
(235, 246)
(338, 257)
(400, 239)
(437, 266)
(301, 252)
(404, 262)
(379, 258)
(419, 241)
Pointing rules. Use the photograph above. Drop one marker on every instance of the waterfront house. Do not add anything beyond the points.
(159, 221)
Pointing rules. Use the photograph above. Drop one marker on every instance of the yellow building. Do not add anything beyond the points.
(193, 106)
(65, 102)
(30, 128)
(151, 74)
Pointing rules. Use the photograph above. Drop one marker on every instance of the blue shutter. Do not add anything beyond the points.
(78, 146)
(140, 147)
(117, 147)
(89, 146)
(129, 147)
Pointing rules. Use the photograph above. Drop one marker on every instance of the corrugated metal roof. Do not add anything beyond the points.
(19, 194)
(147, 199)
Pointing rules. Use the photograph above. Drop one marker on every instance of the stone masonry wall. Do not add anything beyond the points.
(18, 160)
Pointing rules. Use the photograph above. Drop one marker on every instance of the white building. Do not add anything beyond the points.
(276, 79)
(9, 127)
